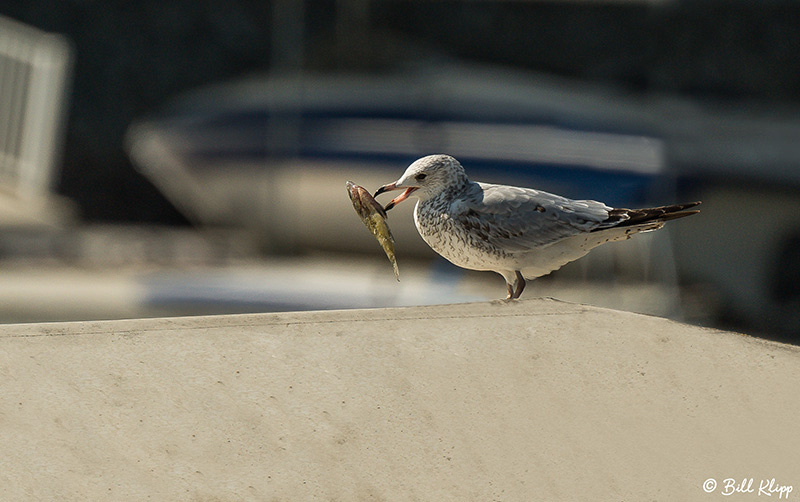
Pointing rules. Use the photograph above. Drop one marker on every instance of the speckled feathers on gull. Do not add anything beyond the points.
(517, 232)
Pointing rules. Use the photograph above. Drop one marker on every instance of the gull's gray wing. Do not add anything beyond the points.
(520, 219)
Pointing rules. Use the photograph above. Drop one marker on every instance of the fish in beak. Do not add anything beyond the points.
(374, 217)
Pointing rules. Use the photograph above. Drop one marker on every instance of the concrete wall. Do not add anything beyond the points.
(533, 400)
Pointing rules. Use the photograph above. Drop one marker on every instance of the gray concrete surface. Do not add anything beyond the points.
(534, 400)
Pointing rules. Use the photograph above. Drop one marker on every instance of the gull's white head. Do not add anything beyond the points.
(426, 178)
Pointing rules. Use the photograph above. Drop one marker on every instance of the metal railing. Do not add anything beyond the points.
(34, 70)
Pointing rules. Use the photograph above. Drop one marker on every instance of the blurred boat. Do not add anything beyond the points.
(272, 153)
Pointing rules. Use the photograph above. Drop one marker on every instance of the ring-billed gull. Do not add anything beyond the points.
(517, 232)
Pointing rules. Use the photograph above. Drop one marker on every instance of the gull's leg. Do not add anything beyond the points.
(510, 292)
(515, 283)
(520, 285)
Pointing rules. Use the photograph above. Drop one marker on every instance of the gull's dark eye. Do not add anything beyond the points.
(420, 176)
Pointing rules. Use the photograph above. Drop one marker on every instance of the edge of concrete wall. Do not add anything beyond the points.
(529, 400)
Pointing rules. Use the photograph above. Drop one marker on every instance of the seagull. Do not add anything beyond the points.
(519, 233)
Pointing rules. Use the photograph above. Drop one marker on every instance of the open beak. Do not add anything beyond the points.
(386, 188)
(397, 200)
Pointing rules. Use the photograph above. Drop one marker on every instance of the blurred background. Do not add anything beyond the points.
(189, 157)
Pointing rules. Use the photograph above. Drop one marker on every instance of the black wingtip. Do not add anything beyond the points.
(622, 217)
(677, 214)
(678, 211)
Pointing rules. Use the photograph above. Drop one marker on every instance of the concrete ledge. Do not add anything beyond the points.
(534, 400)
